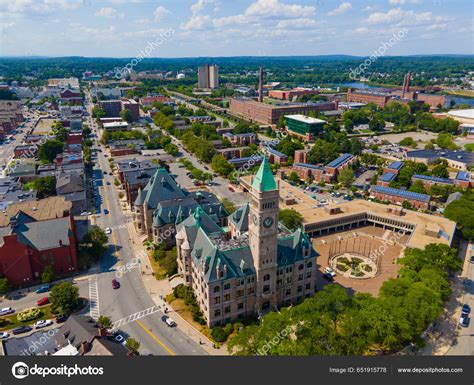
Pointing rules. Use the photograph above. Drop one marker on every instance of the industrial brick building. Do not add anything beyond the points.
(397, 196)
(263, 113)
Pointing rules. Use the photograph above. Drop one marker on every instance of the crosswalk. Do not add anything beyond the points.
(94, 298)
(135, 316)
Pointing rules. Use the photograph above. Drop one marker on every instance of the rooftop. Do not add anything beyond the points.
(305, 119)
(397, 165)
(308, 208)
(388, 177)
(433, 178)
(401, 193)
(339, 161)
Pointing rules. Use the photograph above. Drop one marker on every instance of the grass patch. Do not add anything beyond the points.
(11, 321)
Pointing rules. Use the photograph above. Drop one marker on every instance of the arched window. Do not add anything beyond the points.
(217, 289)
(266, 277)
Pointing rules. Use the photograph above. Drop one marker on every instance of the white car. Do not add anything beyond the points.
(108, 230)
(329, 271)
(43, 323)
(4, 335)
(6, 310)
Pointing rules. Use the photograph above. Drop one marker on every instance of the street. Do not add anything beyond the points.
(154, 335)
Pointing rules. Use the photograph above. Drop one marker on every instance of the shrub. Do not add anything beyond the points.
(28, 314)
(221, 334)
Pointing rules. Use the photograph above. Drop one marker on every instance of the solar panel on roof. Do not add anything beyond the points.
(401, 193)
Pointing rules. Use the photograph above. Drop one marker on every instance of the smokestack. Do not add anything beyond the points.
(260, 86)
(404, 85)
(408, 82)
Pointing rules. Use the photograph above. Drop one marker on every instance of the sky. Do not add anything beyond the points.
(190, 28)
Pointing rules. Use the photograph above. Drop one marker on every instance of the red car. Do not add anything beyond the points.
(42, 301)
(115, 284)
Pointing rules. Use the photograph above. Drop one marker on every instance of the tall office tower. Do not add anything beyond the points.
(208, 76)
(260, 85)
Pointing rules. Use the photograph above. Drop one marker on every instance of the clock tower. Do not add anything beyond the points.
(263, 231)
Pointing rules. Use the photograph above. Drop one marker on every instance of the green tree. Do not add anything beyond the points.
(132, 345)
(98, 113)
(104, 322)
(346, 177)
(418, 187)
(294, 178)
(461, 211)
(126, 115)
(64, 297)
(48, 151)
(94, 243)
(44, 186)
(4, 286)
(290, 218)
(434, 255)
(47, 275)
(220, 165)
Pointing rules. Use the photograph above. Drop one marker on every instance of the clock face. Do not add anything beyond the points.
(254, 219)
(268, 222)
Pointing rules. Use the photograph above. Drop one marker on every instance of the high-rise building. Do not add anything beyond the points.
(208, 76)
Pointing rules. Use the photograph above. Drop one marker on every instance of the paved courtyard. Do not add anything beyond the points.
(363, 241)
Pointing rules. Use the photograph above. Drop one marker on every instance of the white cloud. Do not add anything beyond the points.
(40, 6)
(362, 30)
(344, 7)
(199, 5)
(143, 20)
(277, 9)
(196, 22)
(369, 8)
(160, 12)
(437, 27)
(396, 15)
(296, 23)
(109, 13)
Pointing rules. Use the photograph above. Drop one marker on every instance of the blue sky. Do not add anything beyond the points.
(123, 28)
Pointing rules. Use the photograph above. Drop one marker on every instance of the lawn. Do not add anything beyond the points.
(11, 321)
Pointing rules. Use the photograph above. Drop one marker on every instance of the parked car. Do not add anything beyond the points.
(466, 309)
(329, 271)
(42, 301)
(43, 289)
(4, 335)
(108, 230)
(61, 318)
(168, 321)
(6, 311)
(464, 320)
(43, 323)
(115, 284)
(120, 338)
(106, 211)
(328, 277)
(21, 329)
(472, 259)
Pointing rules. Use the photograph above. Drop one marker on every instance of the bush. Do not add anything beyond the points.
(221, 334)
(189, 299)
(28, 314)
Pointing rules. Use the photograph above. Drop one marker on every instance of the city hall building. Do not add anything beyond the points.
(253, 266)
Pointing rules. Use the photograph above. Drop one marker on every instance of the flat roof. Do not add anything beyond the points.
(433, 178)
(463, 175)
(305, 119)
(307, 165)
(338, 161)
(115, 124)
(388, 177)
(397, 165)
(401, 193)
(307, 207)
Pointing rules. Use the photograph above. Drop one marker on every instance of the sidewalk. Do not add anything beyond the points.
(441, 338)
(160, 289)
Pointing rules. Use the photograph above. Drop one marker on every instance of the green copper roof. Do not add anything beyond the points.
(264, 180)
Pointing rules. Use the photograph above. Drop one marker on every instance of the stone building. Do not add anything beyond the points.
(253, 266)
(162, 204)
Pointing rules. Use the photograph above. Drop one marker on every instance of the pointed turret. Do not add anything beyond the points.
(140, 198)
(264, 180)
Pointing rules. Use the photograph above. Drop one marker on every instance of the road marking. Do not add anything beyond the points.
(135, 316)
(94, 309)
(156, 338)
